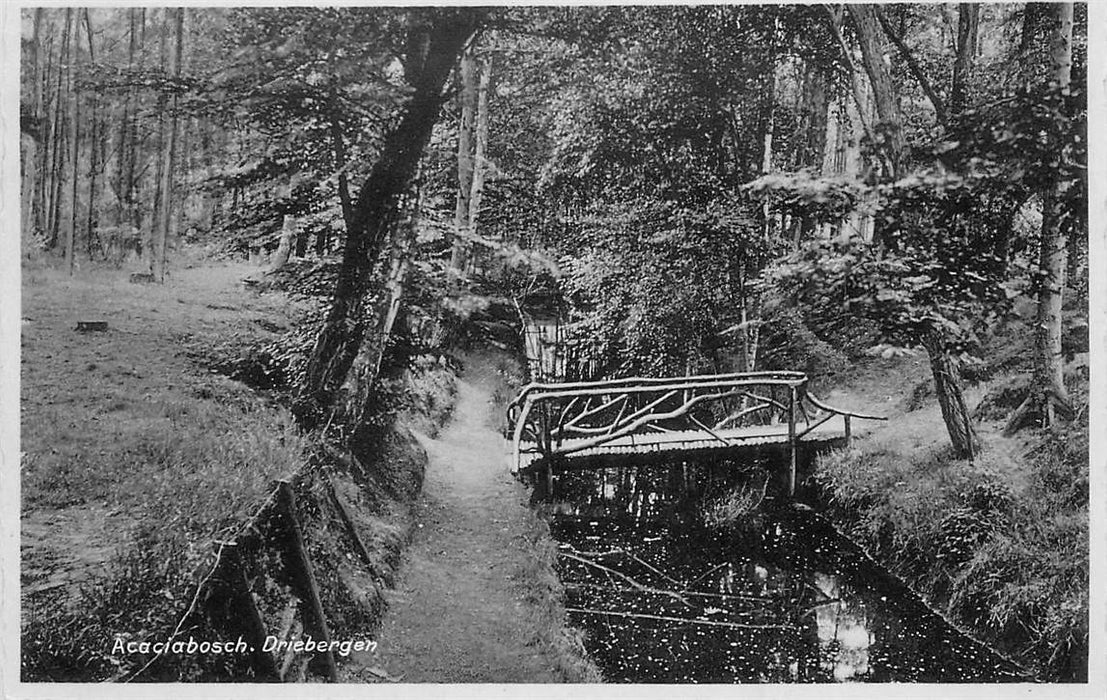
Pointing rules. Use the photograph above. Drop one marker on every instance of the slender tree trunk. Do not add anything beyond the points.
(916, 70)
(29, 156)
(468, 100)
(951, 398)
(768, 122)
(967, 29)
(94, 141)
(169, 153)
(75, 153)
(1048, 400)
(480, 148)
(39, 168)
(338, 143)
(59, 139)
(125, 163)
(433, 49)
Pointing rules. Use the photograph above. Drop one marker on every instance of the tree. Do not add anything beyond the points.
(1048, 400)
(168, 151)
(435, 40)
(890, 133)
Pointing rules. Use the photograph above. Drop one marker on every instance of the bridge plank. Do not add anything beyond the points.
(733, 439)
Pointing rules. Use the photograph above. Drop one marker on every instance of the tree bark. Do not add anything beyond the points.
(916, 70)
(890, 132)
(967, 29)
(468, 100)
(59, 139)
(74, 156)
(338, 143)
(168, 153)
(1048, 399)
(94, 142)
(951, 398)
(433, 49)
(480, 148)
(30, 155)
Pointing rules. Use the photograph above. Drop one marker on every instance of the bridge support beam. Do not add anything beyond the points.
(792, 442)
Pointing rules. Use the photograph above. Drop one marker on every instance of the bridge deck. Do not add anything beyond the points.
(647, 445)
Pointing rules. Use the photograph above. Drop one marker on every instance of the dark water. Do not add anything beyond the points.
(665, 593)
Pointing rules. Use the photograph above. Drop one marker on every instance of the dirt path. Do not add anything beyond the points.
(460, 612)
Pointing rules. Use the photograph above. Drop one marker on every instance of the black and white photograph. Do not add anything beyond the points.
(438, 347)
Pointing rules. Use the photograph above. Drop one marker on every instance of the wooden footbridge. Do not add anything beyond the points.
(590, 424)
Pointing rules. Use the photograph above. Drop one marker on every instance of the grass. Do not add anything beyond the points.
(998, 543)
(135, 457)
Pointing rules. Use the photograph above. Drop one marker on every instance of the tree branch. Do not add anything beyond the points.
(916, 69)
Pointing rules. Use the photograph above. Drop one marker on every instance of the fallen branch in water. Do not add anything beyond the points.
(624, 552)
(628, 579)
(684, 620)
(690, 594)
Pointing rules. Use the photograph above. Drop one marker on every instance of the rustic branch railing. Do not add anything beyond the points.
(558, 420)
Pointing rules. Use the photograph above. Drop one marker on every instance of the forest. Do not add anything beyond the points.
(310, 214)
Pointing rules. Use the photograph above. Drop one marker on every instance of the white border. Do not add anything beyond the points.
(10, 687)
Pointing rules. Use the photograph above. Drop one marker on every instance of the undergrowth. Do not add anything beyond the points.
(1001, 544)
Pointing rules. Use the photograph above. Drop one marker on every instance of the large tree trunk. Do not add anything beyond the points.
(951, 399)
(433, 49)
(890, 130)
(1048, 400)
(385, 305)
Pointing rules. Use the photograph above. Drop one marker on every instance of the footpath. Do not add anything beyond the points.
(460, 611)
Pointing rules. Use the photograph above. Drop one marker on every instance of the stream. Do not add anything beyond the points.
(688, 574)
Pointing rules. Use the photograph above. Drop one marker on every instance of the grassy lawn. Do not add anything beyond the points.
(136, 456)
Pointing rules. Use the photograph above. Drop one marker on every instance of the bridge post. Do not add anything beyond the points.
(848, 432)
(792, 441)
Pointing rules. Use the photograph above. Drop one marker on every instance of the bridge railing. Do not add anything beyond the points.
(562, 419)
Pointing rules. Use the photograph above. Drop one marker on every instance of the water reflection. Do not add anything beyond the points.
(665, 592)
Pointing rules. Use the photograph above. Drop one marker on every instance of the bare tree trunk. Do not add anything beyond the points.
(480, 158)
(94, 141)
(967, 28)
(128, 135)
(338, 143)
(890, 131)
(289, 230)
(951, 398)
(386, 305)
(916, 70)
(29, 155)
(39, 169)
(168, 154)
(468, 99)
(433, 49)
(1048, 398)
(75, 97)
(59, 141)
